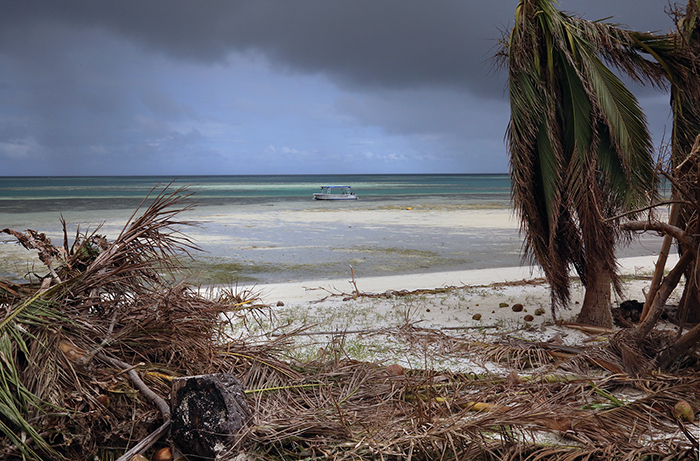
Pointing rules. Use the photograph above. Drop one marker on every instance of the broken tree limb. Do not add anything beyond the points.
(158, 401)
(146, 443)
(664, 291)
(658, 226)
(660, 264)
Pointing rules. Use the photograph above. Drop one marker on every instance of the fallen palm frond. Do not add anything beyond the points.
(355, 410)
(103, 307)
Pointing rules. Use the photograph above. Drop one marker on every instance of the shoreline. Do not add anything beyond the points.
(478, 306)
(311, 290)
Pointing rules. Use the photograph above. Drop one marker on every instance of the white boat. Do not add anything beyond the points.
(343, 194)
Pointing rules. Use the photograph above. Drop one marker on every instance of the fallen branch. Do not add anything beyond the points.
(357, 290)
(420, 291)
(658, 226)
(158, 401)
(664, 291)
(146, 443)
(589, 329)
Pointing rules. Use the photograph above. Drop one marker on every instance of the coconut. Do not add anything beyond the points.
(164, 454)
(394, 370)
(683, 411)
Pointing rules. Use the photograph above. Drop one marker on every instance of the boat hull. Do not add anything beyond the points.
(335, 197)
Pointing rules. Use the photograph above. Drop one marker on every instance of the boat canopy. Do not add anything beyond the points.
(327, 194)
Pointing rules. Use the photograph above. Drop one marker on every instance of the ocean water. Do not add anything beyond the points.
(17, 195)
(260, 229)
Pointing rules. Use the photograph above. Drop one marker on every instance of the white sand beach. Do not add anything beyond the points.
(311, 290)
(479, 303)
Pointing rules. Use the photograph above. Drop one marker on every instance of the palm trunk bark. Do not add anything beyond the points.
(596, 302)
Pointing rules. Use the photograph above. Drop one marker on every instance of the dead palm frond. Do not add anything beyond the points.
(103, 303)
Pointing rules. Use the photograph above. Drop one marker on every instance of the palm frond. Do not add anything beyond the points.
(578, 142)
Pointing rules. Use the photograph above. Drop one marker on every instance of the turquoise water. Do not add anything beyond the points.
(260, 229)
(18, 194)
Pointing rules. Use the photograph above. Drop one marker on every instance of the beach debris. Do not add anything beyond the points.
(503, 305)
(164, 454)
(103, 330)
(539, 311)
(478, 406)
(208, 411)
(512, 379)
(476, 317)
(528, 318)
(71, 351)
(516, 307)
(103, 400)
(627, 315)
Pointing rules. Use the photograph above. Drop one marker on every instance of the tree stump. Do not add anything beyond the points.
(206, 413)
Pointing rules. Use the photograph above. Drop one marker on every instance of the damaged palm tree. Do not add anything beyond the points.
(580, 150)
(93, 347)
(679, 56)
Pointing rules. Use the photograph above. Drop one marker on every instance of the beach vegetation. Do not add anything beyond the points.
(409, 252)
(215, 271)
(581, 155)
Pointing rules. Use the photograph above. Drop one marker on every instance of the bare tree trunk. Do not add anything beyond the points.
(660, 264)
(662, 294)
(596, 303)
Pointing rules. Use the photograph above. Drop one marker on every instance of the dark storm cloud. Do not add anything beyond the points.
(366, 42)
(83, 82)
(358, 42)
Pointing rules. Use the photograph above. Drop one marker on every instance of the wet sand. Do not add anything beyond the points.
(278, 243)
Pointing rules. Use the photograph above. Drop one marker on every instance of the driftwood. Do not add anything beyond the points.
(140, 385)
(207, 412)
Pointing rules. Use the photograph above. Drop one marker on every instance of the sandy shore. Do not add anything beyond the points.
(312, 290)
(481, 304)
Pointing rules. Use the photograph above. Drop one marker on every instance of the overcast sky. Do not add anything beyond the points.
(174, 87)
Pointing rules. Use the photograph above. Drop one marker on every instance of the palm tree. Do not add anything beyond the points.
(682, 62)
(580, 151)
